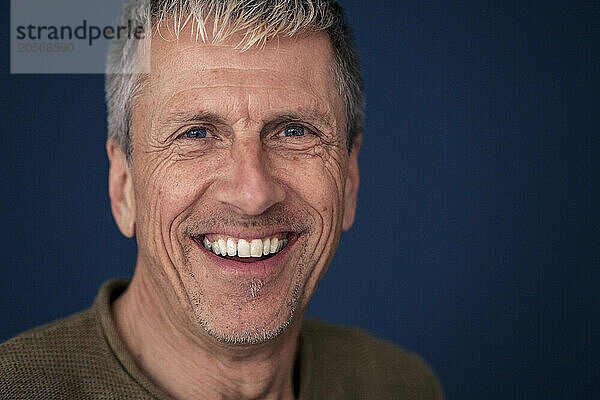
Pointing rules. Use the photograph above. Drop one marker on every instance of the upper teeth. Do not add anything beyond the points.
(245, 248)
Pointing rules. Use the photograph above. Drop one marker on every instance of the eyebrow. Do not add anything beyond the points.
(318, 117)
(186, 117)
(308, 116)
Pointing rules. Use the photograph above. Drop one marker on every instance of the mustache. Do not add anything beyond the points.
(214, 220)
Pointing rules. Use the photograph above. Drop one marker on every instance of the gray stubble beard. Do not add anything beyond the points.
(257, 336)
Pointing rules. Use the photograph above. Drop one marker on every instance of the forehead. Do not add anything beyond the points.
(286, 73)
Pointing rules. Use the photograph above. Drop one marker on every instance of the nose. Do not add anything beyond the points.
(248, 184)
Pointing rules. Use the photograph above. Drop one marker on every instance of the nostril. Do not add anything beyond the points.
(248, 185)
(254, 196)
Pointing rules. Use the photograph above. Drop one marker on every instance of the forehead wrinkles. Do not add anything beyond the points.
(253, 101)
(296, 73)
(225, 77)
(213, 61)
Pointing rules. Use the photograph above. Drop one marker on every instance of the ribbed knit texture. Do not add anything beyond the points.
(82, 357)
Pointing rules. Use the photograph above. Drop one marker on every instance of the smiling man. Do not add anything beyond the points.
(234, 164)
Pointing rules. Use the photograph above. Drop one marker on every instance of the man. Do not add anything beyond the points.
(234, 164)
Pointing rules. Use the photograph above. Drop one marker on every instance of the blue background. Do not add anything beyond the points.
(476, 242)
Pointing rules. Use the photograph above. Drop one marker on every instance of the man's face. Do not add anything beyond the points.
(238, 152)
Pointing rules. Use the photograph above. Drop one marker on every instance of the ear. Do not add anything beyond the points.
(120, 189)
(351, 189)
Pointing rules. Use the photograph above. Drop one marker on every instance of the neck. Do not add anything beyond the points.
(190, 364)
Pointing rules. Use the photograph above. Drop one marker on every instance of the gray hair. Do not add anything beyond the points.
(258, 20)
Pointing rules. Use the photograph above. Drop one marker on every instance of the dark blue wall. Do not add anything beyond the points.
(477, 236)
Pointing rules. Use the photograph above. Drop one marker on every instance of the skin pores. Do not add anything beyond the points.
(241, 145)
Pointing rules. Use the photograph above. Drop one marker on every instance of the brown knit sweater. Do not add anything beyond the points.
(81, 357)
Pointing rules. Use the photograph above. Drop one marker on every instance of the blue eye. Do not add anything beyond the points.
(294, 130)
(196, 133)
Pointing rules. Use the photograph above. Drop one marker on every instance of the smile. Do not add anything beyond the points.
(257, 248)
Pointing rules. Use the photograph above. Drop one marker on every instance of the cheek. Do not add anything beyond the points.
(316, 179)
(165, 195)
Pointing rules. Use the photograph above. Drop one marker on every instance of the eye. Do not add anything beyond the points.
(195, 133)
(293, 130)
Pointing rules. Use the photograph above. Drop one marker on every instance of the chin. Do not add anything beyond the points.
(251, 328)
(246, 301)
